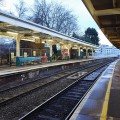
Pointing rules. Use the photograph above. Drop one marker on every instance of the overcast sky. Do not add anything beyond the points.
(84, 18)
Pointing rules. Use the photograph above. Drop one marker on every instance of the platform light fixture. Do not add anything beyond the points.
(31, 40)
(44, 42)
(36, 37)
(49, 39)
(81, 50)
(12, 33)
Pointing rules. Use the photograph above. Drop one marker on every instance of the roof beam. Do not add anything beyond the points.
(92, 10)
(4, 34)
(89, 5)
(113, 37)
(111, 26)
(113, 11)
(115, 40)
(114, 3)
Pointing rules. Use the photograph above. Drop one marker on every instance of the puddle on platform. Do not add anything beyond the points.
(107, 76)
(104, 79)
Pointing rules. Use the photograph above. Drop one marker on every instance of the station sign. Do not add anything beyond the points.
(12, 55)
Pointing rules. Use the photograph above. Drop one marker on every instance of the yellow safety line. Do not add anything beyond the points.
(105, 104)
(86, 97)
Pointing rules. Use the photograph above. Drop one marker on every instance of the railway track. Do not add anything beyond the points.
(7, 87)
(10, 94)
(16, 85)
(62, 105)
(17, 105)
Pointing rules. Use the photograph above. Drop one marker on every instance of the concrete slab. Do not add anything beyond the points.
(114, 100)
(101, 86)
(85, 117)
(103, 80)
(112, 118)
(98, 94)
(114, 104)
(92, 107)
(116, 83)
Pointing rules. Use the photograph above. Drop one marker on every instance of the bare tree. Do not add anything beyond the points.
(21, 9)
(54, 16)
(1, 2)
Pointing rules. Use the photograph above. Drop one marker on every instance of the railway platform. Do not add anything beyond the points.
(15, 69)
(102, 102)
(22, 74)
(19, 69)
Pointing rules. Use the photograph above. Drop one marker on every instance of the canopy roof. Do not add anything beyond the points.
(106, 13)
(11, 26)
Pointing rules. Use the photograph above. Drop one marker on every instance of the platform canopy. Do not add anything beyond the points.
(11, 26)
(106, 13)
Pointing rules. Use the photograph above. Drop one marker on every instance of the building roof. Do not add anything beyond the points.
(106, 13)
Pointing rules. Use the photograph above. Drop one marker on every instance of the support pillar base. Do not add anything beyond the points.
(79, 57)
(50, 58)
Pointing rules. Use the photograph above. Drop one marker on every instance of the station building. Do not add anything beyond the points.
(106, 50)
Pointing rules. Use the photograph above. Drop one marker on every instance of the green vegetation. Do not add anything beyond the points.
(91, 36)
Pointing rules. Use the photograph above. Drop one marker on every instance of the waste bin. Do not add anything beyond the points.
(44, 58)
(18, 63)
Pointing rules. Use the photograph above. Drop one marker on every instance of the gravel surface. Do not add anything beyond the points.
(27, 87)
(17, 109)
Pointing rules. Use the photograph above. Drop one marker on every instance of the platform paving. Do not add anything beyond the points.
(114, 100)
(95, 105)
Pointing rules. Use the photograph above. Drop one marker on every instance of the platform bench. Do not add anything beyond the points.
(28, 60)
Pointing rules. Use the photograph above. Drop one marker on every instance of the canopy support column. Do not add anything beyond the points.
(50, 52)
(68, 47)
(18, 45)
(79, 52)
(86, 52)
(92, 53)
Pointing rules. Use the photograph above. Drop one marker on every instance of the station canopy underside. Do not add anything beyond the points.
(11, 26)
(106, 13)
